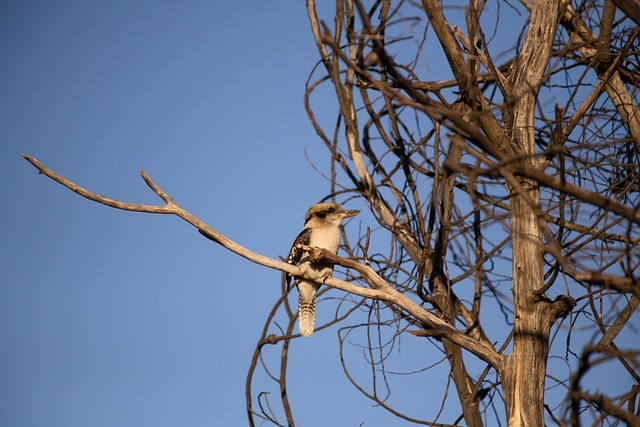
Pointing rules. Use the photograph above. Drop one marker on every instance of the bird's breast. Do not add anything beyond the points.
(328, 239)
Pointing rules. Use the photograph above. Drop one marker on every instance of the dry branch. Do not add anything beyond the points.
(381, 290)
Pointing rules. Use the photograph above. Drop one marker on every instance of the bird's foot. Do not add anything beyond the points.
(325, 277)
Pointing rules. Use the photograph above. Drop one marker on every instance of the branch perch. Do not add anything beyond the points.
(380, 290)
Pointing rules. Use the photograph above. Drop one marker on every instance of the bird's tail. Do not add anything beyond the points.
(306, 307)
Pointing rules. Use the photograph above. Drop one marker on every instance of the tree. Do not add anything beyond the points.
(510, 184)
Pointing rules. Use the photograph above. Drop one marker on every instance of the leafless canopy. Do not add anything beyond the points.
(499, 160)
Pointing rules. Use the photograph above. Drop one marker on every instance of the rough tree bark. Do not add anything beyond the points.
(524, 375)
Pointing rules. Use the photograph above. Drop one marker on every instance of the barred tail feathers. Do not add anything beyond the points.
(306, 306)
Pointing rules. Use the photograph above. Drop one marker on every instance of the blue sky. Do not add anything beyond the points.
(112, 318)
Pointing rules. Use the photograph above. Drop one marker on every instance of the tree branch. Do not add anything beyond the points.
(385, 292)
(167, 209)
(382, 290)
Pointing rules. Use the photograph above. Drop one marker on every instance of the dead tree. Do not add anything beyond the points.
(509, 183)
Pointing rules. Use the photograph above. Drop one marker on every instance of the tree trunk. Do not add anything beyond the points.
(524, 373)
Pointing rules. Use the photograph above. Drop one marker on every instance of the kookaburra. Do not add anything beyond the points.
(321, 230)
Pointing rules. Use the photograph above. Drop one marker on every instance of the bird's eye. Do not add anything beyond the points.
(331, 210)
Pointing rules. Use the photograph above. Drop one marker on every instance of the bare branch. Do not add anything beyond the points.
(382, 291)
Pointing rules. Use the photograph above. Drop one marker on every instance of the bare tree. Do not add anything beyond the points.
(506, 192)
(510, 182)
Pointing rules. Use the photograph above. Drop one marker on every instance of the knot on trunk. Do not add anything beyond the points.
(562, 306)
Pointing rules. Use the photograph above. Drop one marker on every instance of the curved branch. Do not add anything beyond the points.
(170, 208)
(382, 290)
(385, 292)
(166, 209)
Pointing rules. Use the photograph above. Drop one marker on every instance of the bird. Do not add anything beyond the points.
(321, 230)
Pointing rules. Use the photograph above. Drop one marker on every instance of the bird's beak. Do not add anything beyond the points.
(347, 214)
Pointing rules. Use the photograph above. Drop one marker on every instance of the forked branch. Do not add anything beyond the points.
(380, 289)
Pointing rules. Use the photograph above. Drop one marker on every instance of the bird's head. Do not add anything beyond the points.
(328, 212)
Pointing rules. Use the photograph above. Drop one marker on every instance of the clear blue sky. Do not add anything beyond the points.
(111, 318)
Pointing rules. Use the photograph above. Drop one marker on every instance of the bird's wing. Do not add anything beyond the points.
(296, 253)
